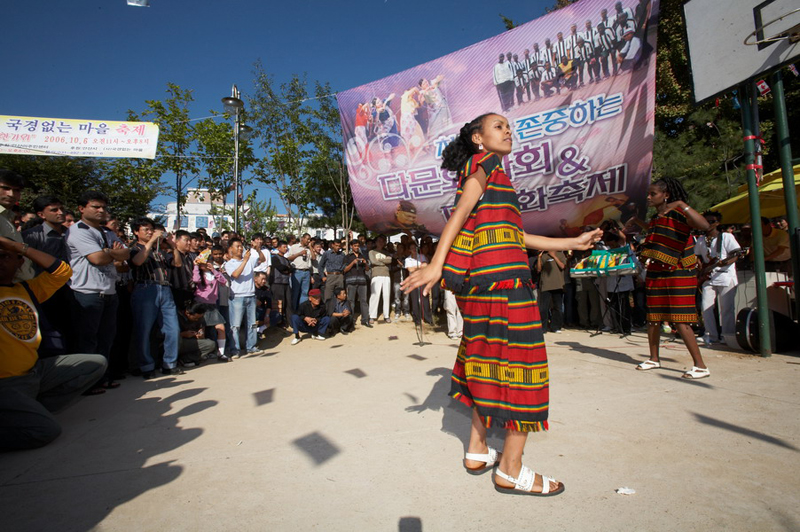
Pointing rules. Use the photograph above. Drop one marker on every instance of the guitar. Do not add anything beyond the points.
(705, 272)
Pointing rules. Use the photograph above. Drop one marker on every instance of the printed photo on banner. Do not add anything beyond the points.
(578, 87)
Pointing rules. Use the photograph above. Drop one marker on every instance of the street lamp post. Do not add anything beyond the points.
(234, 105)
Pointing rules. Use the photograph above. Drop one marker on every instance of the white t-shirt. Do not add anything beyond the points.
(726, 275)
(411, 262)
(264, 266)
(301, 262)
(242, 286)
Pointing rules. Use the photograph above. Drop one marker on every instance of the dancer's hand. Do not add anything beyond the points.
(425, 277)
(587, 240)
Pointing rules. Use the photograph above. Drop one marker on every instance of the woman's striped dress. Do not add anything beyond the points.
(671, 282)
(501, 368)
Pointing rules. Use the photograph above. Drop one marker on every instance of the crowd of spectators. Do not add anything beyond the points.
(140, 300)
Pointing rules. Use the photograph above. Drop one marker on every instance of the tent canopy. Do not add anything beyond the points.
(736, 210)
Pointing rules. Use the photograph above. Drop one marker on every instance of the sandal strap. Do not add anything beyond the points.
(546, 481)
(524, 482)
(696, 372)
(526, 478)
(488, 458)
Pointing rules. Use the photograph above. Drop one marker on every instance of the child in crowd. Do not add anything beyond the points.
(207, 280)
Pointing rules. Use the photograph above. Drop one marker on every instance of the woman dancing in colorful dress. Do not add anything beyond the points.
(671, 282)
(501, 368)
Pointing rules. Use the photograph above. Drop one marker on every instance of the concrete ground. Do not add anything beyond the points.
(357, 433)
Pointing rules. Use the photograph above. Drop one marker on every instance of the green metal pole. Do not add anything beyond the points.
(789, 194)
(748, 91)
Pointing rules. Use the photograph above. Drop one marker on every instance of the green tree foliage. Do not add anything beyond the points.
(510, 24)
(280, 116)
(256, 216)
(130, 184)
(215, 148)
(177, 138)
(331, 193)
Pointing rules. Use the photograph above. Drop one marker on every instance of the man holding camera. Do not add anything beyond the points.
(355, 279)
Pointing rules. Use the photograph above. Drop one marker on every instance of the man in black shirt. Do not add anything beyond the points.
(310, 317)
(341, 313)
(50, 237)
(331, 267)
(180, 277)
(355, 279)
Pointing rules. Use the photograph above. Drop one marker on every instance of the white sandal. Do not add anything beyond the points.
(523, 484)
(648, 364)
(490, 459)
(697, 373)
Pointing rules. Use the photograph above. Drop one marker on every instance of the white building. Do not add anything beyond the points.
(196, 214)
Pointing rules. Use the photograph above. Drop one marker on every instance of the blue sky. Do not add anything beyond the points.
(96, 59)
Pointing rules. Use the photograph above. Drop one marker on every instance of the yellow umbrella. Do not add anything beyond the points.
(736, 210)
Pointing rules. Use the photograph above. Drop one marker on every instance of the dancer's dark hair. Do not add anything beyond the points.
(673, 187)
(462, 148)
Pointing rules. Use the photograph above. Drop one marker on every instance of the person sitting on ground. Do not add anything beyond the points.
(194, 347)
(310, 317)
(341, 313)
(30, 387)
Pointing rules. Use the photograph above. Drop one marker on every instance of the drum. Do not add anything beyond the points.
(781, 331)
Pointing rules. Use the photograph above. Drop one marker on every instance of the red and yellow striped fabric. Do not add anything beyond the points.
(489, 248)
(671, 282)
(501, 368)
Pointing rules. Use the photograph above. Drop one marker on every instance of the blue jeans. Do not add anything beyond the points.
(301, 280)
(151, 303)
(95, 322)
(298, 325)
(243, 307)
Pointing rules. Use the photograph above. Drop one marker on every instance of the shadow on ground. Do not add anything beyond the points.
(119, 469)
(744, 431)
(456, 416)
(597, 351)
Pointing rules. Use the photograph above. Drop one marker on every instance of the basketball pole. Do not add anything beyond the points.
(785, 154)
(748, 101)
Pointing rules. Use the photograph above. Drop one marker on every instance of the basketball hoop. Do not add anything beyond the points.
(792, 34)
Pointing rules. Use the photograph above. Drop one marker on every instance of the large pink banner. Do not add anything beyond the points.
(577, 86)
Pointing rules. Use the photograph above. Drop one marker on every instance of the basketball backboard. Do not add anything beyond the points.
(717, 30)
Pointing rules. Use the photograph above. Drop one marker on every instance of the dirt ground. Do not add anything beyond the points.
(357, 433)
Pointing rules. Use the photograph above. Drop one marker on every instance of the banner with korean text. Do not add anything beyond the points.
(578, 88)
(26, 135)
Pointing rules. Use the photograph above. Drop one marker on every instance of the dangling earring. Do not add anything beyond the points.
(480, 147)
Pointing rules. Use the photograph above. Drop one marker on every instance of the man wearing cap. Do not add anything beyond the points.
(311, 317)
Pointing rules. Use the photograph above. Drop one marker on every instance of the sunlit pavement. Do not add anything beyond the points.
(357, 433)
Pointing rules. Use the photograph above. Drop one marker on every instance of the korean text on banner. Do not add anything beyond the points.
(578, 88)
(26, 135)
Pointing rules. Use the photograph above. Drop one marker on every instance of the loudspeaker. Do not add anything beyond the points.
(781, 331)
